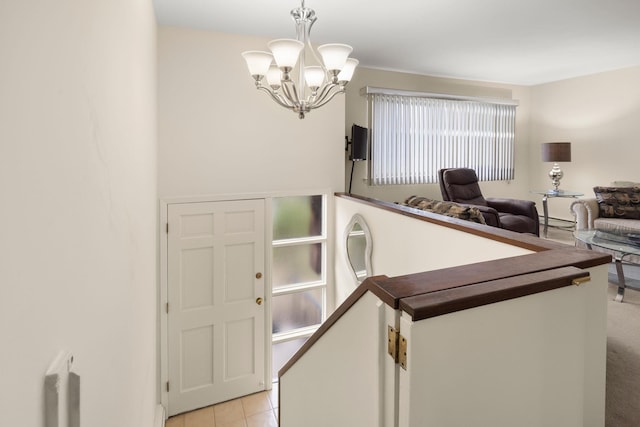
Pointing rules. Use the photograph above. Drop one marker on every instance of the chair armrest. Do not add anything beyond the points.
(585, 211)
(491, 216)
(514, 206)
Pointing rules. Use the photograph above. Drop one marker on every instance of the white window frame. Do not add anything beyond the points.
(322, 283)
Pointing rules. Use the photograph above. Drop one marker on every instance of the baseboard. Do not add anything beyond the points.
(159, 421)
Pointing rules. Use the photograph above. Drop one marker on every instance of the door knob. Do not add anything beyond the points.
(259, 301)
(258, 275)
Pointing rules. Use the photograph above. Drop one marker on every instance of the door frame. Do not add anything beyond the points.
(162, 330)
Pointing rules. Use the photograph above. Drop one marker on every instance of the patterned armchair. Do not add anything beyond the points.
(615, 209)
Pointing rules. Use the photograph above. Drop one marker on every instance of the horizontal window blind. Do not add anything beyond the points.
(413, 137)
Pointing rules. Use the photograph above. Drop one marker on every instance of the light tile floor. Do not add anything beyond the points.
(255, 410)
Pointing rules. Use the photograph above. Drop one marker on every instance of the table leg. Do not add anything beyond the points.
(546, 215)
(621, 282)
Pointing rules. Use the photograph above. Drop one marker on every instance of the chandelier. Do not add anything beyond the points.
(317, 84)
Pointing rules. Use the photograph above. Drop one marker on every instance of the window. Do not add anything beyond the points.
(414, 135)
(299, 279)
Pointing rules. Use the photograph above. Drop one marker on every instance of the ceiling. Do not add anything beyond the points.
(522, 42)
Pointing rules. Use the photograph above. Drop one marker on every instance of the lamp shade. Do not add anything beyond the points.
(556, 152)
(258, 62)
(314, 76)
(274, 76)
(334, 55)
(286, 52)
(347, 71)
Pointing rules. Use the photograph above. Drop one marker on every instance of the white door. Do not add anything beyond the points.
(216, 318)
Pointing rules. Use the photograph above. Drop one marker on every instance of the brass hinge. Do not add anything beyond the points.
(167, 228)
(167, 386)
(392, 343)
(167, 307)
(402, 352)
(397, 347)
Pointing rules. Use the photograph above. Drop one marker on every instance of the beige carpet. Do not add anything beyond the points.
(623, 360)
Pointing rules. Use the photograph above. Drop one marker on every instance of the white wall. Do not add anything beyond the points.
(347, 371)
(422, 245)
(357, 113)
(78, 187)
(219, 135)
(600, 116)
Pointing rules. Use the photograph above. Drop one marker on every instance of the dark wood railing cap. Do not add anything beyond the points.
(450, 300)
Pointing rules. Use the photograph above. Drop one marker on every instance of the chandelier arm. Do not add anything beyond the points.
(315, 56)
(324, 93)
(286, 101)
(307, 40)
(289, 89)
(325, 101)
(276, 97)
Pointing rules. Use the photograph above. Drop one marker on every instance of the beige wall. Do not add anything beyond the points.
(357, 113)
(78, 185)
(219, 135)
(600, 116)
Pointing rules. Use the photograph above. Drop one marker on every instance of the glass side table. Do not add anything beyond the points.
(546, 194)
(621, 247)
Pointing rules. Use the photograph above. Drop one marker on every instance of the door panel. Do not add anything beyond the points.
(197, 278)
(240, 274)
(240, 352)
(196, 344)
(215, 327)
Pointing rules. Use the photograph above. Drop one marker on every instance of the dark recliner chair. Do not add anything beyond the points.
(460, 185)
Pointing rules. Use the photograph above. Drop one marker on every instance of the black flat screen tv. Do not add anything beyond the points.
(359, 137)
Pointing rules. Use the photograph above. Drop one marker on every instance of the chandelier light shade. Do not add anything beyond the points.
(334, 56)
(556, 152)
(316, 84)
(258, 62)
(286, 52)
(347, 71)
